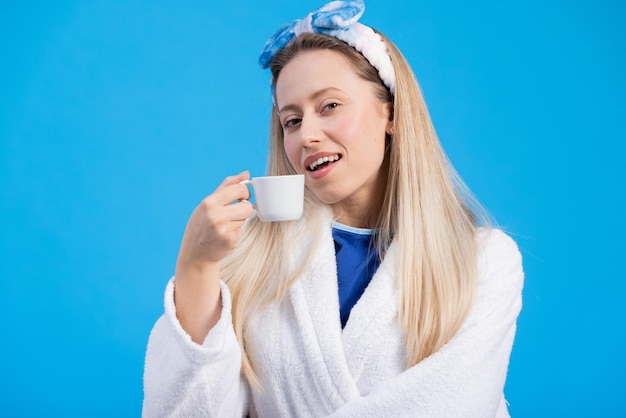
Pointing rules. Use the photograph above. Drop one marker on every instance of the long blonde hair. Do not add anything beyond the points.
(426, 209)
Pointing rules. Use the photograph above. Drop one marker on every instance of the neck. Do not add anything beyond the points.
(355, 220)
(363, 212)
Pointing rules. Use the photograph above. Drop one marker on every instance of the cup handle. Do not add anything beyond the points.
(245, 183)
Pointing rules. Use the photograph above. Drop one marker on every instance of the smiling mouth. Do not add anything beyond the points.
(323, 162)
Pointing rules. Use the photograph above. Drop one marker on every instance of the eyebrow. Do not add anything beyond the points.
(311, 97)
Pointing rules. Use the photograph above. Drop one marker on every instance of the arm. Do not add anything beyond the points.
(466, 377)
(212, 231)
(193, 361)
(186, 379)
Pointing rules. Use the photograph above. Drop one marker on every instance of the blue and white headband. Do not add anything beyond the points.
(338, 19)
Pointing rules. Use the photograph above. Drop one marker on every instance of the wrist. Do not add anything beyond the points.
(196, 270)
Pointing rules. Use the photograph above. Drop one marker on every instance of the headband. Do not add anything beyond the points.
(338, 19)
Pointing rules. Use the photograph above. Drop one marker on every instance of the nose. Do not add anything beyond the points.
(310, 131)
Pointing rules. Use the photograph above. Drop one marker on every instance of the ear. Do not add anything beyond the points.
(389, 111)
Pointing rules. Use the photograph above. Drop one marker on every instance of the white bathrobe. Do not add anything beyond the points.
(309, 367)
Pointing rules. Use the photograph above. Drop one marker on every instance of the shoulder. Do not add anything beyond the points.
(496, 240)
(499, 258)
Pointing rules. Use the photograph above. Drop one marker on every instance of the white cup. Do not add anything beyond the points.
(278, 198)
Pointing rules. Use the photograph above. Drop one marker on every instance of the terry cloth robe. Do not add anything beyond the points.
(309, 367)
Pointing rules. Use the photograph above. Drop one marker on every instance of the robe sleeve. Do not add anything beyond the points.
(182, 378)
(466, 377)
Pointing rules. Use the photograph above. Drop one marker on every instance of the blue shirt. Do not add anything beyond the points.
(357, 261)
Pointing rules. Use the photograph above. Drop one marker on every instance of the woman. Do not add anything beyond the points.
(385, 299)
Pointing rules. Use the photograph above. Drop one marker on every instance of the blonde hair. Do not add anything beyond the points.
(426, 210)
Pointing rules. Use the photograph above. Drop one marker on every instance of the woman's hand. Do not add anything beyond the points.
(212, 231)
(214, 227)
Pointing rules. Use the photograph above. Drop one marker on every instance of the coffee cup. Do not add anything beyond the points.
(278, 198)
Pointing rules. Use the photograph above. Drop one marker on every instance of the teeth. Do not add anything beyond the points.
(323, 160)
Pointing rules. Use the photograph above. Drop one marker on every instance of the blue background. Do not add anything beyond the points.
(118, 117)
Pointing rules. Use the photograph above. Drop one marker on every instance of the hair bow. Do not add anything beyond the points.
(338, 19)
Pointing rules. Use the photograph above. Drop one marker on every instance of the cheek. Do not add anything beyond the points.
(360, 132)
(347, 128)
(293, 153)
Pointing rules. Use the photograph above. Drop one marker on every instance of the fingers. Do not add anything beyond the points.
(231, 190)
(235, 226)
(217, 211)
(214, 227)
(229, 202)
(237, 178)
(241, 211)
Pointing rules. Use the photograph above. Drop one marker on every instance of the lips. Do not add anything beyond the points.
(315, 163)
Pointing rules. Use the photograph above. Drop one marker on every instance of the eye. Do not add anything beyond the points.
(291, 122)
(330, 106)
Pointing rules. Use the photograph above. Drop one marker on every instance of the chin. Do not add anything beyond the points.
(329, 193)
(328, 198)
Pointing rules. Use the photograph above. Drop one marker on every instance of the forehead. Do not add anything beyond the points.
(310, 71)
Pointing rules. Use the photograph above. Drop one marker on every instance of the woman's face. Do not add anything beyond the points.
(334, 132)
